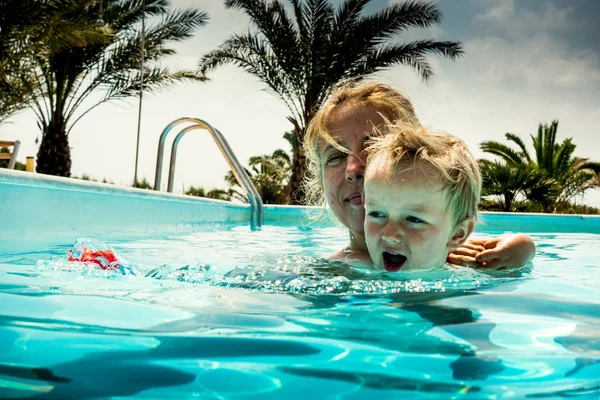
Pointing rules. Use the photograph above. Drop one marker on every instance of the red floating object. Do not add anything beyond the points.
(105, 259)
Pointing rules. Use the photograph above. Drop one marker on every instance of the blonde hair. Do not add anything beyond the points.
(455, 168)
(388, 102)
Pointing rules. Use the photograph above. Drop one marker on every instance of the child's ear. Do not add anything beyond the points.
(461, 233)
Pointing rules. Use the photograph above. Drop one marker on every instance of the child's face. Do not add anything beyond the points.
(408, 224)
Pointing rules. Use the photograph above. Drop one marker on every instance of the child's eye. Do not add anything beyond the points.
(415, 220)
(376, 214)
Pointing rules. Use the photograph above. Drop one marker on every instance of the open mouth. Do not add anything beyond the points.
(393, 262)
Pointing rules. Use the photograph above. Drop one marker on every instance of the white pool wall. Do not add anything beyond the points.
(41, 209)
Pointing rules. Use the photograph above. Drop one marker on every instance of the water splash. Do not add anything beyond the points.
(294, 273)
(302, 274)
(90, 254)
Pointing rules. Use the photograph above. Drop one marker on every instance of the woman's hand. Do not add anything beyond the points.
(467, 253)
(504, 252)
(507, 252)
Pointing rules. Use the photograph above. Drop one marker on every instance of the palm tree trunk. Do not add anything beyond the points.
(295, 188)
(54, 155)
(508, 201)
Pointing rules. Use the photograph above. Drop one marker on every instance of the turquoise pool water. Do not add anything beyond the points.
(215, 311)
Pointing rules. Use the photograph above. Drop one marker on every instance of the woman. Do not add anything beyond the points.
(334, 147)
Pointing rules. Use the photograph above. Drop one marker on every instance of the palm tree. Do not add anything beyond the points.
(13, 25)
(22, 24)
(270, 175)
(28, 29)
(504, 184)
(302, 55)
(108, 61)
(555, 175)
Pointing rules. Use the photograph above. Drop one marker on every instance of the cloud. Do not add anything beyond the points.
(532, 64)
(516, 22)
(504, 11)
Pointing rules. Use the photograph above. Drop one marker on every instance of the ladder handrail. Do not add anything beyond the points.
(256, 204)
(13, 155)
(223, 147)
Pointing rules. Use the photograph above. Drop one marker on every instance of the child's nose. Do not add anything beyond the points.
(392, 233)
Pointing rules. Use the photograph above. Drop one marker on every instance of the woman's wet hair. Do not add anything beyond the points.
(392, 105)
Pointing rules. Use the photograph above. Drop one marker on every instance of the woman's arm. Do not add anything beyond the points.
(504, 252)
(348, 255)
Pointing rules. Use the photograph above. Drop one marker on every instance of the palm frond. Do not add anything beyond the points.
(501, 150)
(298, 7)
(562, 158)
(411, 54)
(124, 15)
(276, 28)
(176, 26)
(590, 165)
(369, 33)
(319, 16)
(347, 15)
(122, 86)
(538, 145)
(549, 147)
(155, 78)
(516, 139)
(397, 18)
(255, 57)
(282, 155)
(578, 183)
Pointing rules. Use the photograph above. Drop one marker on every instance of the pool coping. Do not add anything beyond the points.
(240, 213)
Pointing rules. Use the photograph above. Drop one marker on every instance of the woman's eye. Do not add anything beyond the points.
(415, 220)
(335, 159)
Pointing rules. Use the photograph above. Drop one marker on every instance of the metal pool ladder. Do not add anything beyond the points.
(256, 204)
(11, 157)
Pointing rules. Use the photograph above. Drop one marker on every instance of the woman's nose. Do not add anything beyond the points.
(355, 168)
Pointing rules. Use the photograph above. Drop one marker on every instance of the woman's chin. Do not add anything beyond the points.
(358, 232)
(356, 223)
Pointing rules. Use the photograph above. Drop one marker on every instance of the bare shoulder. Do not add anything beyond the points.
(348, 255)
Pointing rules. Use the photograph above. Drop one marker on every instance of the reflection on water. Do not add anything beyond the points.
(267, 313)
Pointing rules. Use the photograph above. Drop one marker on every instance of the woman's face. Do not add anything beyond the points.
(343, 173)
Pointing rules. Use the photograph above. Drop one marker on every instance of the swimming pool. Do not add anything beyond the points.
(217, 311)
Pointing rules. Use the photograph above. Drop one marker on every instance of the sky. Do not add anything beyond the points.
(525, 63)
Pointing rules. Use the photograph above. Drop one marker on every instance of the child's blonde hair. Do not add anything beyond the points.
(404, 144)
(388, 102)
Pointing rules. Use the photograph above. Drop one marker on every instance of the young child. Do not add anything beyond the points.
(422, 189)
